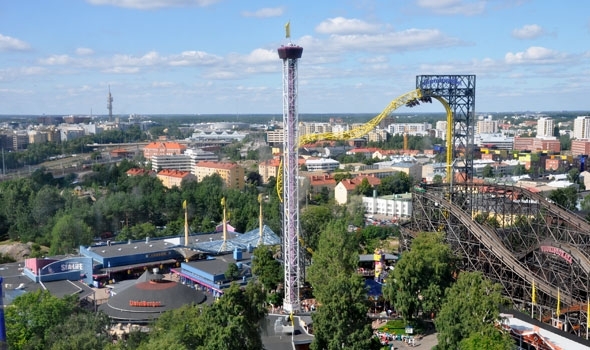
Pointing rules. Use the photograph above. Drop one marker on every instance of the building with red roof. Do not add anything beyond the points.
(163, 149)
(347, 186)
(269, 168)
(171, 177)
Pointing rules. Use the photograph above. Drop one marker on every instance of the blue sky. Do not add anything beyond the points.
(219, 56)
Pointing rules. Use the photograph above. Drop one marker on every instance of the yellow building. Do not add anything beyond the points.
(232, 174)
(171, 178)
(268, 169)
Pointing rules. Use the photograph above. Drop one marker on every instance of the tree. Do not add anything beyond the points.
(421, 276)
(565, 141)
(518, 170)
(399, 182)
(233, 322)
(232, 273)
(31, 317)
(313, 219)
(487, 171)
(254, 178)
(80, 331)
(68, 234)
(266, 268)
(364, 188)
(437, 179)
(573, 175)
(467, 317)
(338, 177)
(341, 319)
(566, 197)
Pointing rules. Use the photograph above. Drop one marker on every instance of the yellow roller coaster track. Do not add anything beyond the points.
(364, 129)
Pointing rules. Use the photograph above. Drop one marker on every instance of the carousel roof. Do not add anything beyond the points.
(149, 297)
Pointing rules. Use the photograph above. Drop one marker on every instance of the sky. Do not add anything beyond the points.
(60, 57)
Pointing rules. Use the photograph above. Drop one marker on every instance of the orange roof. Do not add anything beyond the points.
(271, 162)
(216, 165)
(364, 150)
(138, 171)
(174, 173)
(169, 145)
(318, 180)
(351, 184)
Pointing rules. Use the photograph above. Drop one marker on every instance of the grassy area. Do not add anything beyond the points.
(399, 327)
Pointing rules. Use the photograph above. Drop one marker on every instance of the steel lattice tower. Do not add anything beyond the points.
(110, 105)
(459, 92)
(290, 54)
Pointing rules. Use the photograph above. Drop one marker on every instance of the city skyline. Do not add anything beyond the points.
(219, 56)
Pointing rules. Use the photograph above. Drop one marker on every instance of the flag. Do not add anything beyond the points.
(558, 303)
(223, 201)
(288, 29)
(184, 204)
(534, 297)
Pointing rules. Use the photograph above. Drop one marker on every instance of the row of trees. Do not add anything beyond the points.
(47, 211)
(427, 281)
(38, 320)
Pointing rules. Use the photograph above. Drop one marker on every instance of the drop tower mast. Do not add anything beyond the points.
(290, 53)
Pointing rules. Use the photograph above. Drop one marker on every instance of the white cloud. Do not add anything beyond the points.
(149, 59)
(373, 60)
(529, 31)
(84, 51)
(122, 70)
(264, 12)
(341, 25)
(259, 56)
(221, 75)
(406, 40)
(56, 60)
(535, 54)
(454, 7)
(8, 43)
(192, 58)
(16, 91)
(152, 4)
(164, 84)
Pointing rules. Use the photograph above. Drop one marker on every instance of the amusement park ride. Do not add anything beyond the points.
(514, 236)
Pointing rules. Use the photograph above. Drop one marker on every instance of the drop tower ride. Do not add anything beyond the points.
(290, 54)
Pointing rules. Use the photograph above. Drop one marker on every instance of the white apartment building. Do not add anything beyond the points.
(198, 154)
(321, 164)
(545, 127)
(275, 137)
(181, 162)
(377, 135)
(440, 129)
(395, 206)
(314, 128)
(486, 125)
(418, 129)
(582, 127)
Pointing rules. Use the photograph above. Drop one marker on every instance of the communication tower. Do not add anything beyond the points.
(110, 105)
(290, 54)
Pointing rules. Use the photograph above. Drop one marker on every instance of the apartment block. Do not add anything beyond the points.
(232, 174)
(171, 178)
